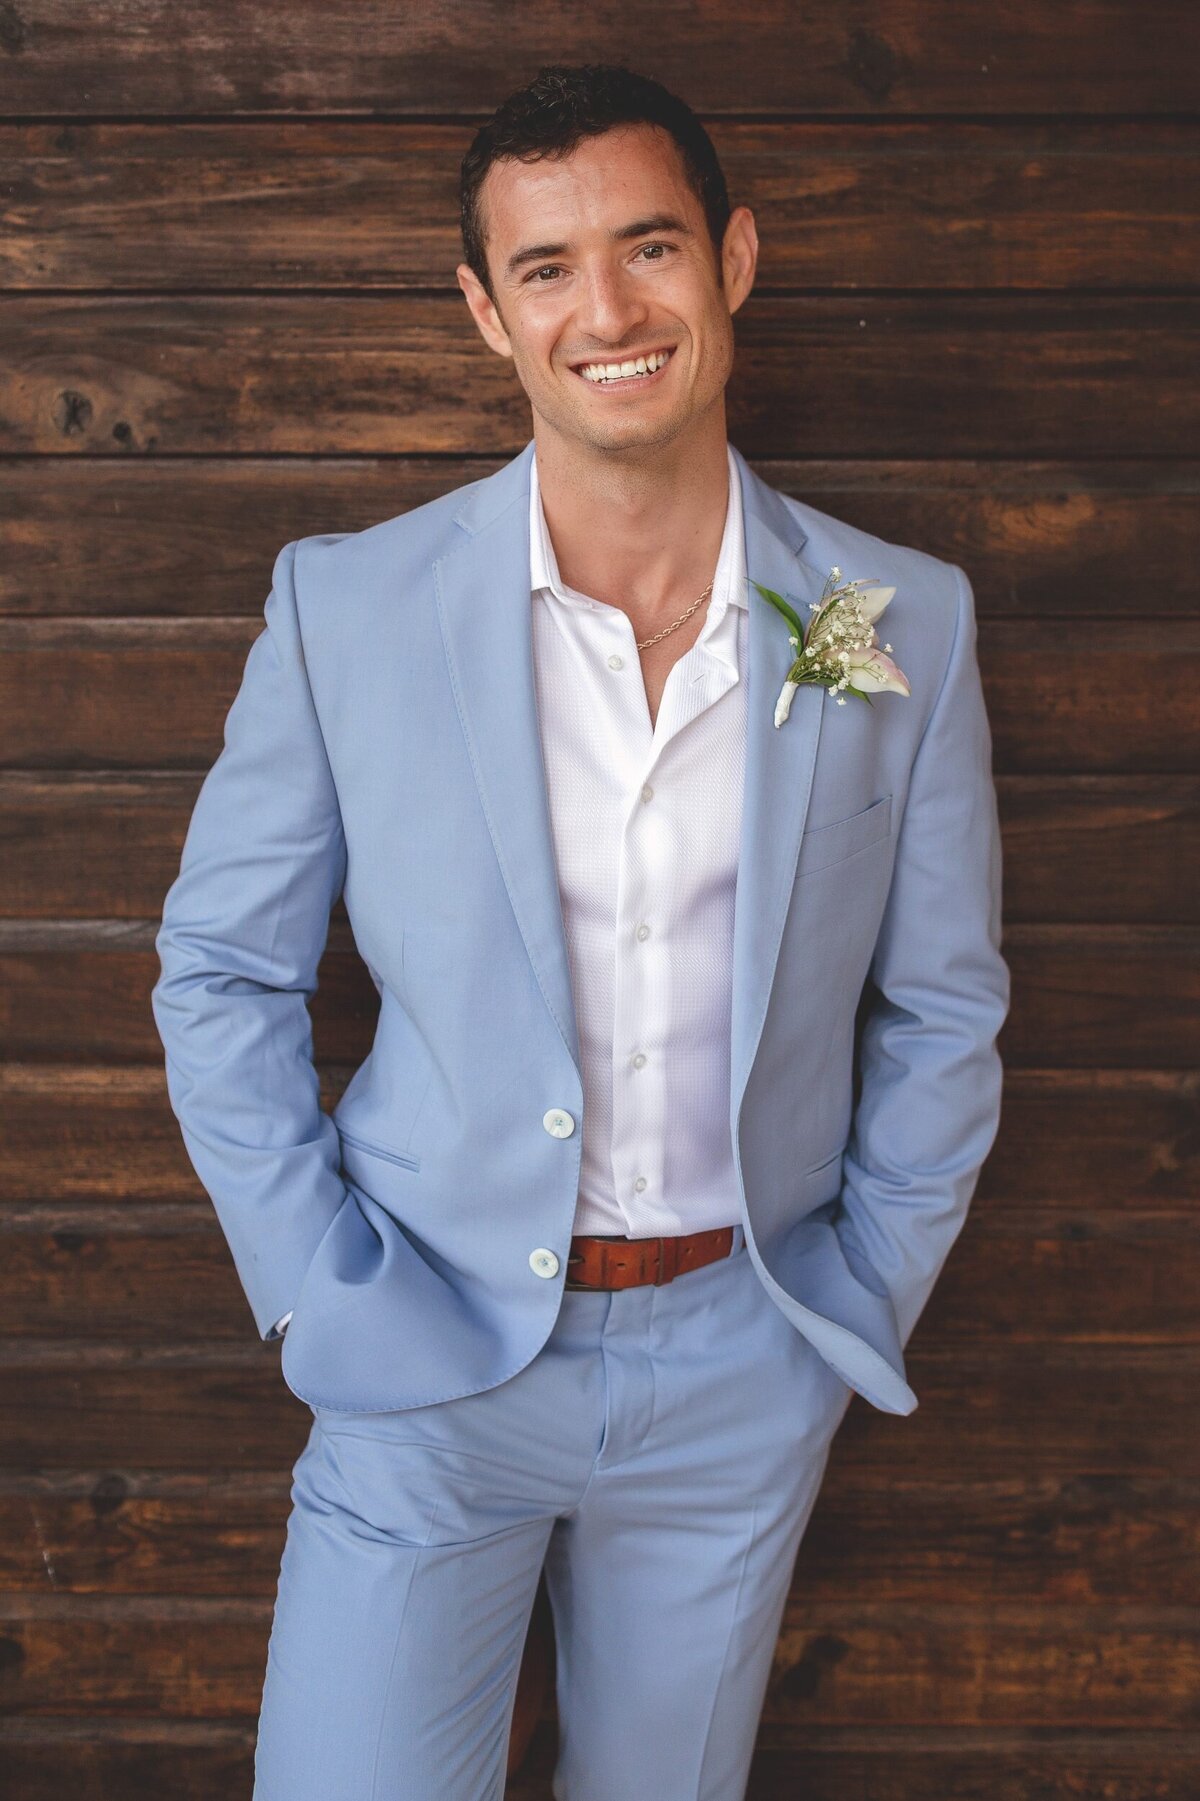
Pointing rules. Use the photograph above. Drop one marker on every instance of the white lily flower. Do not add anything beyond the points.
(873, 600)
(873, 672)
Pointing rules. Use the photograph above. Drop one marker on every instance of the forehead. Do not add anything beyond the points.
(604, 180)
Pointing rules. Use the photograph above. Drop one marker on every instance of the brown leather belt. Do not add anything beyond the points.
(627, 1262)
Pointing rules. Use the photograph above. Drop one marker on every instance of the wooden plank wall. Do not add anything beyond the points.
(229, 235)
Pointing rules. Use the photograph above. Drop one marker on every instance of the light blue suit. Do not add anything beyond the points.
(384, 745)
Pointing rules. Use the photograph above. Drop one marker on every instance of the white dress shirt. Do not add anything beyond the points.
(646, 823)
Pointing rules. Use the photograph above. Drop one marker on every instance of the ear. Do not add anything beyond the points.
(483, 310)
(739, 256)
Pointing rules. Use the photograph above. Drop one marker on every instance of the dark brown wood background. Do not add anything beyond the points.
(229, 236)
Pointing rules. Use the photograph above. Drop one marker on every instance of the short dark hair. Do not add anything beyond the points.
(561, 105)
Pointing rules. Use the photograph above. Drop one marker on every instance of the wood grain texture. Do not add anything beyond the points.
(154, 693)
(1072, 1274)
(1119, 997)
(194, 1760)
(903, 56)
(184, 537)
(987, 1410)
(367, 373)
(942, 204)
(1070, 1141)
(1099, 849)
(1032, 1538)
(228, 236)
(107, 1133)
(201, 1658)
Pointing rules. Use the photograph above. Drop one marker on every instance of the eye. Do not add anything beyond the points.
(535, 275)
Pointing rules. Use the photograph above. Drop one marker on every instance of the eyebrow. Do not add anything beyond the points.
(540, 253)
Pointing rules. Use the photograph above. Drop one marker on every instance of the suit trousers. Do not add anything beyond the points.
(660, 1456)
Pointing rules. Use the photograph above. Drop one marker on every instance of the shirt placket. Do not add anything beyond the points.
(645, 971)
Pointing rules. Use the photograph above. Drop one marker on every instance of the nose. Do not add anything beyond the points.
(611, 307)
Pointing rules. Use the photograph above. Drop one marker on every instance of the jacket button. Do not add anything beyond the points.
(558, 1123)
(543, 1263)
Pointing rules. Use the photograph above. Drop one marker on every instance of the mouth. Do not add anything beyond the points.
(631, 372)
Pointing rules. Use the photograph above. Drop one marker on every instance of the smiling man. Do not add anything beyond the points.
(613, 294)
(686, 1057)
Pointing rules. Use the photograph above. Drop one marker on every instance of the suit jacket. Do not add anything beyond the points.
(384, 746)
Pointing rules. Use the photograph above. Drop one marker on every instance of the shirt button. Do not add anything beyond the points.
(640, 1184)
(647, 792)
(639, 1060)
(616, 662)
(543, 1262)
(558, 1123)
(643, 930)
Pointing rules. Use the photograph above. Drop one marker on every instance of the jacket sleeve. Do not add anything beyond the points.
(244, 925)
(929, 1106)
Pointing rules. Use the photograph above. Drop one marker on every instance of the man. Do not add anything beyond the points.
(585, 1267)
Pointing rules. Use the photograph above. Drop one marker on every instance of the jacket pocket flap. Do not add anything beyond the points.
(825, 844)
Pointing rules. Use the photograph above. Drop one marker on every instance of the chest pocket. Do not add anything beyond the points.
(842, 838)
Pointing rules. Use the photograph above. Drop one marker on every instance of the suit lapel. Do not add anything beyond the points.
(485, 615)
(779, 766)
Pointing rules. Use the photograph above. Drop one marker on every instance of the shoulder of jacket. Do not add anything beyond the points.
(862, 553)
(927, 587)
(326, 562)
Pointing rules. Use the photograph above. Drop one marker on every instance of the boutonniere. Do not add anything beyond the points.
(841, 647)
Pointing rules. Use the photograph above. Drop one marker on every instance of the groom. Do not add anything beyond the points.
(685, 1065)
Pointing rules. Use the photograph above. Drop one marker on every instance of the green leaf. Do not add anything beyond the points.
(789, 613)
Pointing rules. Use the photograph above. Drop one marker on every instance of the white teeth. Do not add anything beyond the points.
(643, 365)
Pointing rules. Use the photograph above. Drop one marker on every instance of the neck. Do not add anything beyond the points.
(640, 533)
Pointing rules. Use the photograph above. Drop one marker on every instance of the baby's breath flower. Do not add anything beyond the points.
(838, 649)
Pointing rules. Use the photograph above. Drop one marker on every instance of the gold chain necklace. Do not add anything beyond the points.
(645, 643)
